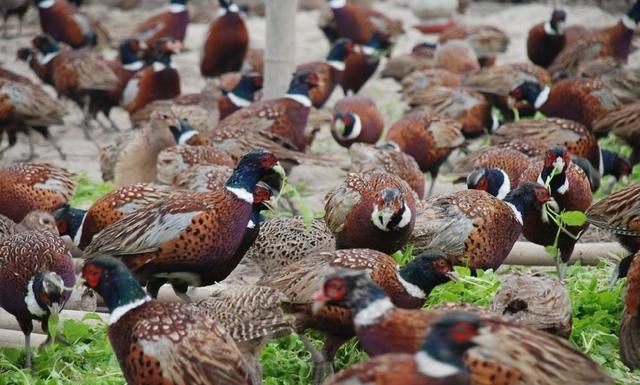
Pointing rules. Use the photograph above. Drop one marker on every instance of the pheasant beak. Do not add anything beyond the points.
(511, 102)
(452, 275)
(54, 309)
(278, 169)
(143, 46)
(319, 302)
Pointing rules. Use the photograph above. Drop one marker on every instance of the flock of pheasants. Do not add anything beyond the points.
(194, 177)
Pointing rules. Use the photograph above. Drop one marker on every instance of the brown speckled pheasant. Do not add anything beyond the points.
(508, 161)
(36, 275)
(581, 100)
(475, 228)
(26, 107)
(35, 220)
(490, 358)
(620, 214)
(356, 119)
(285, 240)
(407, 287)
(497, 82)
(624, 81)
(387, 157)
(468, 107)
(486, 40)
(614, 41)
(113, 206)
(575, 137)
(176, 159)
(252, 315)
(329, 72)
(26, 187)
(159, 342)
(421, 80)
(630, 323)
(571, 190)
(373, 209)
(623, 122)
(429, 139)
(282, 120)
(191, 238)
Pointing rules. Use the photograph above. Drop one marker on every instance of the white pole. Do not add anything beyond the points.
(280, 49)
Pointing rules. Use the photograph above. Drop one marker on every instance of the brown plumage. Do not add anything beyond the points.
(623, 122)
(538, 300)
(301, 281)
(398, 67)
(373, 209)
(35, 270)
(26, 187)
(614, 41)
(286, 240)
(359, 22)
(133, 157)
(456, 56)
(623, 81)
(24, 107)
(547, 39)
(619, 213)
(159, 81)
(629, 338)
(497, 82)
(159, 342)
(176, 159)
(356, 119)
(172, 23)
(511, 161)
(66, 24)
(571, 190)
(581, 100)
(387, 158)
(487, 41)
(428, 139)
(577, 138)
(226, 43)
(422, 80)
(252, 315)
(114, 205)
(329, 71)
(200, 235)
(282, 119)
(468, 107)
(202, 177)
(35, 220)
(473, 227)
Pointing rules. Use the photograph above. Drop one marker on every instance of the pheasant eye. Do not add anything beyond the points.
(335, 289)
(91, 274)
(463, 332)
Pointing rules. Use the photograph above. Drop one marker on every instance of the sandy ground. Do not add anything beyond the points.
(311, 45)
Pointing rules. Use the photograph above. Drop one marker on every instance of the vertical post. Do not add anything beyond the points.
(280, 50)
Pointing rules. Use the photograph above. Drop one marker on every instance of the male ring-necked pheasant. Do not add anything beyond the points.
(36, 278)
(164, 343)
(373, 209)
(190, 238)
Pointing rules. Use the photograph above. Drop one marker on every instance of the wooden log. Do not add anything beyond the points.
(15, 339)
(589, 254)
(8, 321)
(279, 54)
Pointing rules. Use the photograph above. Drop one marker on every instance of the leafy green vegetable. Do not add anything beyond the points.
(88, 191)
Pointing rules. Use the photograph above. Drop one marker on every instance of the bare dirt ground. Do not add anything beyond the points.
(311, 45)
